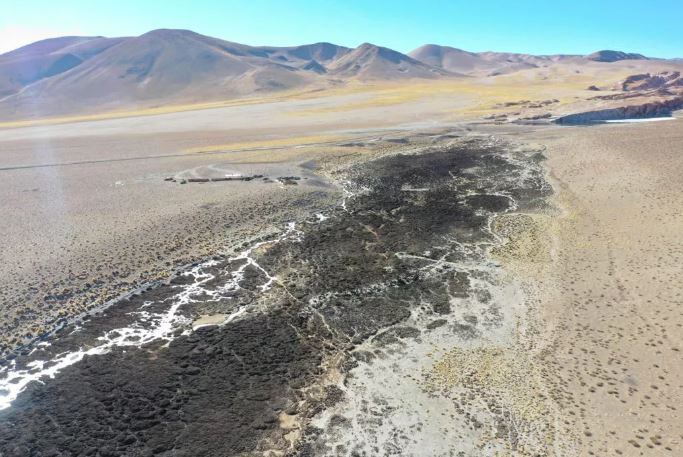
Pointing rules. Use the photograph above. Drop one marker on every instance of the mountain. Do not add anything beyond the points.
(483, 63)
(47, 58)
(447, 58)
(369, 61)
(165, 66)
(77, 74)
(319, 52)
(72, 74)
(162, 64)
(614, 56)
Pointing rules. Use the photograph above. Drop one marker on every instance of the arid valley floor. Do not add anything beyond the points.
(401, 268)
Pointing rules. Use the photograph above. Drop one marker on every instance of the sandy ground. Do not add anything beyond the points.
(78, 234)
(611, 302)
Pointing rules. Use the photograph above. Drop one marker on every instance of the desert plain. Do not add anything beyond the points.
(406, 267)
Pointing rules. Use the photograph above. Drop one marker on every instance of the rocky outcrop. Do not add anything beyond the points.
(647, 81)
(648, 110)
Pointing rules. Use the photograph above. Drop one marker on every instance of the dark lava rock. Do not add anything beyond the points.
(436, 324)
(153, 406)
(219, 391)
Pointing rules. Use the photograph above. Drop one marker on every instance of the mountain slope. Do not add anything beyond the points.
(369, 61)
(320, 52)
(160, 66)
(46, 58)
(483, 63)
(80, 74)
(614, 56)
(450, 59)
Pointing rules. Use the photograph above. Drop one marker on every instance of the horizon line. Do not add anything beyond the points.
(335, 44)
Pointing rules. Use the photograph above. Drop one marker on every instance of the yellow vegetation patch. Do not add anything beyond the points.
(528, 239)
(508, 384)
(502, 373)
(476, 96)
(482, 94)
(479, 95)
(166, 109)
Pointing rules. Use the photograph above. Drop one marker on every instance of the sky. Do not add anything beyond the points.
(535, 27)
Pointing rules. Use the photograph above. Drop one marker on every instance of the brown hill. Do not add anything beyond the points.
(319, 52)
(79, 74)
(47, 58)
(158, 67)
(369, 61)
(71, 75)
(447, 58)
(483, 63)
(614, 56)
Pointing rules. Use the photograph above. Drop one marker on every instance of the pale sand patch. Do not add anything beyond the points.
(208, 321)
(278, 142)
(78, 235)
(612, 299)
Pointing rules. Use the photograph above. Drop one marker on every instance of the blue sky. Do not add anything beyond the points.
(539, 27)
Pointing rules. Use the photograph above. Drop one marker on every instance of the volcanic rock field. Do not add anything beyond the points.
(313, 340)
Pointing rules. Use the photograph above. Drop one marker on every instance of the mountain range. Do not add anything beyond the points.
(86, 74)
